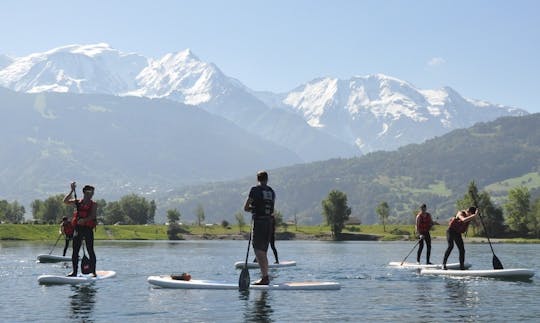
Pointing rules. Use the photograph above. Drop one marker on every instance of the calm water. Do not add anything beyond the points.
(371, 290)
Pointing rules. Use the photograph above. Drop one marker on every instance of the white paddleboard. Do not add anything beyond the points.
(80, 279)
(253, 265)
(413, 265)
(165, 281)
(501, 273)
(52, 258)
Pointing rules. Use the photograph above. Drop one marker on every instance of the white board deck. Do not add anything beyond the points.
(502, 273)
(165, 281)
(52, 258)
(255, 265)
(413, 265)
(80, 279)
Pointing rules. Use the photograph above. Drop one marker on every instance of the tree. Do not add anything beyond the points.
(173, 216)
(534, 218)
(113, 213)
(199, 212)
(383, 211)
(517, 210)
(137, 209)
(52, 210)
(239, 216)
(336, 211)
(11, 212)
(492, 216)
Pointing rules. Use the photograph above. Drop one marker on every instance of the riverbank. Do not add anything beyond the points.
(37, 232)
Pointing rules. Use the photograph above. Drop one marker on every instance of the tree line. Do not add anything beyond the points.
(130, 209)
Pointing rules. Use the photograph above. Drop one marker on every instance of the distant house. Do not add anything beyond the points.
(353, 220)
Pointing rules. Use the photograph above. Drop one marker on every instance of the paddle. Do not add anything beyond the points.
(417, 242)
(496, 262)
(55, 243)
(244, 280)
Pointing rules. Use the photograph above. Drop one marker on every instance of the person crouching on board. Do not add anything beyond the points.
(424, 222)
(260, 203)
(66, 228)
(456, 227)
(84, 222)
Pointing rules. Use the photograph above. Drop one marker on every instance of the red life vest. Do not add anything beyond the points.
(84, 212)
(68, 228)
(424, 222)
(458, 225)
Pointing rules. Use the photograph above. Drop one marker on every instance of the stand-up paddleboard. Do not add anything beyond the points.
(80, 279)
(166, 281)
(494, 273)
(412, 265)
(52, 258)
(253, 265)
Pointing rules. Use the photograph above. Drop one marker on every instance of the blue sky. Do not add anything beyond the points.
(484, 49)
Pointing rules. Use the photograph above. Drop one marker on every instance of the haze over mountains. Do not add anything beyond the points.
(135, 124)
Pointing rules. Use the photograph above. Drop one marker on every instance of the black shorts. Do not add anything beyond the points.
(262, 230)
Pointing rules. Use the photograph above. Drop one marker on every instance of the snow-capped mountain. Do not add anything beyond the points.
(377, 112)
(321, 119)
(76, 68)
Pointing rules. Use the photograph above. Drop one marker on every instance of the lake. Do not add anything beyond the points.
(371, 291)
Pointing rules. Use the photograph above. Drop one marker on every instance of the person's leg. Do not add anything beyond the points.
(427, 238)
(261, 231)
(420, 248)
(450, 241)
(461, 248)
(75, 254)
(66, 245)
(89, 240)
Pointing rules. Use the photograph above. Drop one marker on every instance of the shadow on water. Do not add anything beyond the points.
(259, 310)
(82, 302)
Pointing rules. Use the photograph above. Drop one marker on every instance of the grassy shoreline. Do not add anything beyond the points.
(43, 232)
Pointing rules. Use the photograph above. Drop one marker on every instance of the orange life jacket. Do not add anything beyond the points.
(68, 228)
(458, 225)
(424, 222)
(84, 212)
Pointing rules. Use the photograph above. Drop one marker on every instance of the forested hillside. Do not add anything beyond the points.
(436, 172)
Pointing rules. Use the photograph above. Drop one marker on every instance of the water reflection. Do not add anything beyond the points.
(463, 301)
(82, 302)
(260, 310)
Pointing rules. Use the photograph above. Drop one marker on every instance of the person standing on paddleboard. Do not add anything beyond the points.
(456, 227)
(260, 203)
(424, 222)
(84, 221)
(66, 228)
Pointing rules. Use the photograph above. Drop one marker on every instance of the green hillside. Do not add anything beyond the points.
(497, 155)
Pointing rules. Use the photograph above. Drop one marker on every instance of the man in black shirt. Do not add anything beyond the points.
(261, 205)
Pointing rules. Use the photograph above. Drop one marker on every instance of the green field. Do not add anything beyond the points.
(37, 232)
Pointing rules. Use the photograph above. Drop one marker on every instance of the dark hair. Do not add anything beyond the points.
(262, 176)
(88, 188)
(472, 209)
(423, 206)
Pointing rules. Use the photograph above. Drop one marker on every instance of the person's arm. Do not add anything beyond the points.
(247, 205)
(470, 217)
(67, 198)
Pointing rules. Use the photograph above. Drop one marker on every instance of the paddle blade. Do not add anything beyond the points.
(244, 280)
(497, 263)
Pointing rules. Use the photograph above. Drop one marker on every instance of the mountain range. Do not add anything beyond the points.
(128, 123)
(346, 117)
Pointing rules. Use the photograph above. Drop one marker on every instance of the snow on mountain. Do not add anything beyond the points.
(381, 112)
(75, 68)
(361, 114)
(182, 77)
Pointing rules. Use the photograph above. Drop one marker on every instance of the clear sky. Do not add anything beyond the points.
(484, 49)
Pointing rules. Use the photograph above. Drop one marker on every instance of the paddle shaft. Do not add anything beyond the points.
(496, 262)
(417, 242)
(57, 239)
(244, 280)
